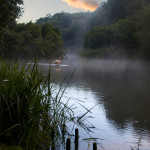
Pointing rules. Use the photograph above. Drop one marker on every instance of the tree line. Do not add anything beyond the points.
(73, 27)
(26, 40)
(31, 40)
(117, 27)
(120, 26)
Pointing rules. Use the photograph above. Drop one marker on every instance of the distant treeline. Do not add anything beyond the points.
(28, 40)
(73, 27)
(116, 27)
(31, 40)
(120, 27)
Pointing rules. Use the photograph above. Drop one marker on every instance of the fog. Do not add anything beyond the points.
(121, 68)
(121, 86)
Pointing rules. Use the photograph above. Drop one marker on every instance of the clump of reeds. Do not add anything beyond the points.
(30, 116)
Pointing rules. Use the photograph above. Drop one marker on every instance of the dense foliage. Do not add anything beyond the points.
(122, 23)
(26, 40)
(72, 26)
(31, 40)
(116, 23)
(144, 31)
(113, 10)
(98, 37)
(9, 11)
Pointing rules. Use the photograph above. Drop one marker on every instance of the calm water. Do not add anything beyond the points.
(123, 120)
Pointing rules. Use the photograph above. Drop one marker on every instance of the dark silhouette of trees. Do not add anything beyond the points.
(32, 40)
(128, 26)
(9, 11)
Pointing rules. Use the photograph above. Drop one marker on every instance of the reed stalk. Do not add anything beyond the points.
(29, 114)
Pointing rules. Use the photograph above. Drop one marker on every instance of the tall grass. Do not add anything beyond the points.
(30, 116)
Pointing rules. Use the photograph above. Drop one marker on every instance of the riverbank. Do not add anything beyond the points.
(31, 116)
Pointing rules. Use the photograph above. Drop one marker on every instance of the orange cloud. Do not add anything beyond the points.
(90, 5)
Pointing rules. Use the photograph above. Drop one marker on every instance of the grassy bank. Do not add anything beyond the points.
(30, 117)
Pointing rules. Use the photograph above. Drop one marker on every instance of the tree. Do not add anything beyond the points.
(9, 11)
(72, 26)
(98, 37)
(52, 41)
(46, 19)
(144, 31)
(128, 25)
(31, 40)
(125, 33)
(115, 10)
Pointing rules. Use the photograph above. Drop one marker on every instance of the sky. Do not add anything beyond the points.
(34, 9)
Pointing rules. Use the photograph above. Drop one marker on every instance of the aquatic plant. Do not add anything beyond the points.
(30, 116)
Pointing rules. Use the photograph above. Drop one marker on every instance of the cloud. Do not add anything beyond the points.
(90, 5)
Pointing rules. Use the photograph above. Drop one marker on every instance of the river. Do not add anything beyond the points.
(119, 90)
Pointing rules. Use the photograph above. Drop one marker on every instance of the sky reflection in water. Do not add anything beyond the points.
(122, 122)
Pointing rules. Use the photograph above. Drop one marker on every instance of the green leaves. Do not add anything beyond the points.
(98, 37)
(144, 31)
(29, 40)
(10, 10)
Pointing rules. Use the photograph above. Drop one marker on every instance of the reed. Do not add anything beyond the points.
(30, 116)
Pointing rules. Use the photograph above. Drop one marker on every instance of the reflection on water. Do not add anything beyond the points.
(122, 122)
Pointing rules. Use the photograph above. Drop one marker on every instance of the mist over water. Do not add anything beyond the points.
(121, 121)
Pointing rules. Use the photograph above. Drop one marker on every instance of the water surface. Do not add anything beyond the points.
(123, 120)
